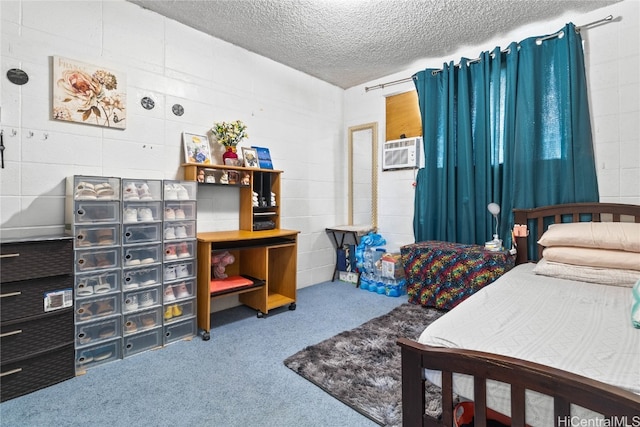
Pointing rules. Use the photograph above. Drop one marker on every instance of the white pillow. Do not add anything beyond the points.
(604, 258)
(623, 236)
(603, 276)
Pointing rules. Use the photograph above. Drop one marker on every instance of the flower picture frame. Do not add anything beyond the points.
(89, 94)
(196, 149)
(250, 158)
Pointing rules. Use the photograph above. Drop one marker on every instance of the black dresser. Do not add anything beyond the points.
(36, 314)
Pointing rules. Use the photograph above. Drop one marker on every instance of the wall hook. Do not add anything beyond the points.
(45, 136)
(30, 134)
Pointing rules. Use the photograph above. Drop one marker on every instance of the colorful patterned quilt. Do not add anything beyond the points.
(443, 274)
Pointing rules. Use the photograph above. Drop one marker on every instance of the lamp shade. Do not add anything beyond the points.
(494, 208)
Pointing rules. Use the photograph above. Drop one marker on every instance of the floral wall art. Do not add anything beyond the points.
(84, 93)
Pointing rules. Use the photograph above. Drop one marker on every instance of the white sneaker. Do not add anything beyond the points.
(182, 193)
(179, 214)
(130, 215)
(182, 271)
(181, 232)
(169, 233)
(170, 192)
(146, 299)
(183, 291)
(144, 193)
(145, 214)
(130, 192)
(169, 214)
(168, 294)
(169, 273)
(131, 262)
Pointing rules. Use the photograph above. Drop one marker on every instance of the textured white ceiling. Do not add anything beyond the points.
(350, 42)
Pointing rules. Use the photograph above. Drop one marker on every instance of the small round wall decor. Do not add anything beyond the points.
(147, 103)
(177, 109)
(17, 76)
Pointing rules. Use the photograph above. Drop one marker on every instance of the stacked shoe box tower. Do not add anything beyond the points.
(134, 267)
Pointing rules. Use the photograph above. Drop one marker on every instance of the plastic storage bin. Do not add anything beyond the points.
(180, 190)
(178, 311)
(141, 189)
(96, 212)
(179, 211)
(91, 309)
(179, 250)
(179, 291)
(87, 285)
(88, 357)
(141, 277)
(95, 332)
(93, 187)
(141, 320)
(179, 230)
(136, 256)
(141, 299)
(142, 341)
(179, 330)
(141, 233)
(96, 236)
(91, 260)
(178, 270)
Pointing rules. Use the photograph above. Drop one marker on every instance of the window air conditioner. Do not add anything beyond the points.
(401, 153)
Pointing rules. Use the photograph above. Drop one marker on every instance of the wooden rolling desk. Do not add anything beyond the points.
(270, 256)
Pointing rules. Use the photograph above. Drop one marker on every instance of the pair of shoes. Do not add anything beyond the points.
(172, 252)
(175, 192)
(179, 232)
(104, 191)
(172, 311)
(182, 290)
(171, 214)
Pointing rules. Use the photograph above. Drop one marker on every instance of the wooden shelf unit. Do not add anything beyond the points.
(269, 255)
(262, 181)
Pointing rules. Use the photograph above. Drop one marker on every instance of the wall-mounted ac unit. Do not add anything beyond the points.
(401, 153)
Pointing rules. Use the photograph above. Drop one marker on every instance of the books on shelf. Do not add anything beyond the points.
(264, 157)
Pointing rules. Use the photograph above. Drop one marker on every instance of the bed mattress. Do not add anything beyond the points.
(579, 327)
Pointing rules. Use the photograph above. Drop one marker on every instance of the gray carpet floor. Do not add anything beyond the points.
(236, 379)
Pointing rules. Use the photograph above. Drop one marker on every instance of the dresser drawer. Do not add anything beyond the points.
(26, 298)
(38, 372)
(32, 260)
(19, 340)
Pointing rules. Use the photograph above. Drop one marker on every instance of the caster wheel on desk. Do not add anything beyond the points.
(206, 336)
(292, 306)
(261, 315)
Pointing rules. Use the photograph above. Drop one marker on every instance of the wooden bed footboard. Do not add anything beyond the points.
(564, 387)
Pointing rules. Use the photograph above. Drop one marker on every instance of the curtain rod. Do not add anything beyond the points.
(408, 79)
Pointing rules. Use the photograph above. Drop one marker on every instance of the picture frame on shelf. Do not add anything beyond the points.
(250, 156)
(196, 149)
(264, 157)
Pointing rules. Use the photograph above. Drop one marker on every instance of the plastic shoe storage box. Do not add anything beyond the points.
(86, 212)
(179, 230)
(141, 233)
(141, 320)
(141, 277)
(136, 256)
(142, 341)
(178, 270)
(175, 250)
(98, 259)
(180, 190)
(179, 330)
(88, 357)
(141, 189)
(93, 187)
(189, 285)
(88, 285)
(133, 212)
(88, 236)
(180, 211)
(95, 332)
(178, 311)
(91, 309)
(141, 299)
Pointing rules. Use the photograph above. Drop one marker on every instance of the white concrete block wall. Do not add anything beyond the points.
(612, 61)
(299, 118)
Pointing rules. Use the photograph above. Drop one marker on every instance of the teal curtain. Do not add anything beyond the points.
(510, 127)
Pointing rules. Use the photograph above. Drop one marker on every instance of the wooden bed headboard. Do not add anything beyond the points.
(539, 219)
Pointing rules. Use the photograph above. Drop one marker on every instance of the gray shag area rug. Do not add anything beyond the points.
(362, 367)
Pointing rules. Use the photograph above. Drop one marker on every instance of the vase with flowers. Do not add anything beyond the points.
(229, 134)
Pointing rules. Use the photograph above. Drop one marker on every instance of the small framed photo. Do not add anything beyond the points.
(196, 149)
(250, 156)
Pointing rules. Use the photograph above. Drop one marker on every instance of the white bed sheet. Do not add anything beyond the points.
(579, 327)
